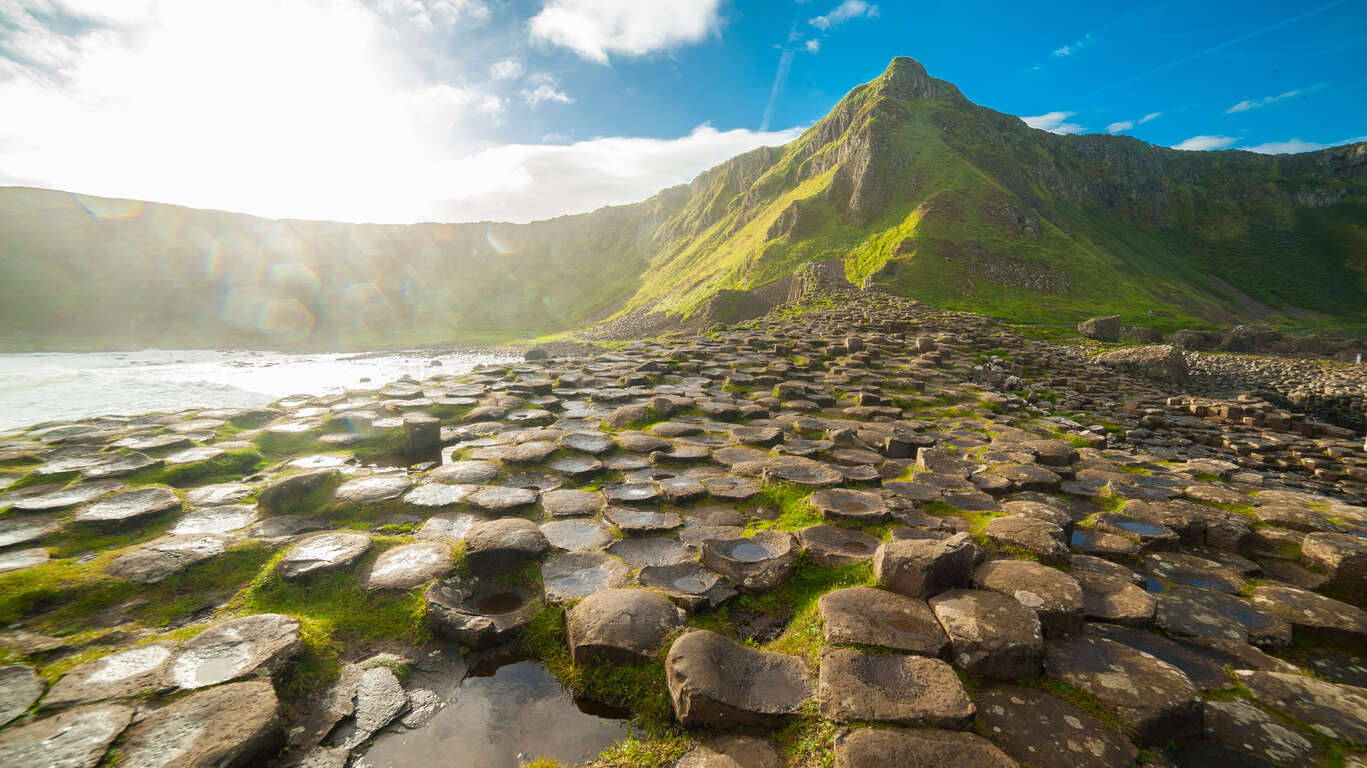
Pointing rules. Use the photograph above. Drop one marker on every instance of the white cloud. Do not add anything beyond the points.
(1246, 105)
(519, 182)
(595, 28)
(544, 93)
(1150, 116)
(507, 69)
(847, 10)
(1285, 147)
(330, 116)
(813, 45)
(1063, 51)
(1205, 142)
(1053, 122)
(1123, 125)
(433, 15)
(1296, 145)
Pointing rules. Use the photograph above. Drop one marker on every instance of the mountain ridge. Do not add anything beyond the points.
(909, 185)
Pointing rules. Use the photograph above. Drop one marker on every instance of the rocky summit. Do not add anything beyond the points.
(856, 531)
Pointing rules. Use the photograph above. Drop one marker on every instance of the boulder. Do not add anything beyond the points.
(731, 750)
(230, 726)
(916, 748)
(624, 626)
(990, 634)
(499, 546)
(1153, 698)
(716, 682)
(1314, 615)
(1160, 362)
(923, 568)
(76, 738)
(858, 686)
(1101, 328)
(1341, 556)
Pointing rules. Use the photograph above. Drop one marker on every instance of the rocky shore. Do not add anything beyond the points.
(856, 531)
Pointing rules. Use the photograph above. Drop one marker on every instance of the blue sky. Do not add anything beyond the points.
(404, 110)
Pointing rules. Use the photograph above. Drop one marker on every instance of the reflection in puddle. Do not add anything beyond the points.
(508, 712)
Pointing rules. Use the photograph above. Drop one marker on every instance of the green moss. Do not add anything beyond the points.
(226, 467)
(797, 599)
(808, 740)
(286, 444)
(790, 500)
(335, 612)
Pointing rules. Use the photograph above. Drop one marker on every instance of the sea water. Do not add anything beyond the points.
(43, 386)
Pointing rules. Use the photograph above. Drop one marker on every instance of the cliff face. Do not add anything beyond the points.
(906, 183)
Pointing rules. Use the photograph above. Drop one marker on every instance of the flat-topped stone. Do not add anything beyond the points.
(448, 527)
(19, 688)
(574, 575)
(577, 534)
(121, 675)
(433, 495)
(571, 503)
(1046, 731)
(372, 490)
(464, 472)
(1243, 727)
(1040, 538)
(1114, 599)
(219, 519)
(129, 507)
(501, 498)
(692, 585)
(714, 681)
(916, 748)
(76, 738)
(261, 643)
(22, 530)
(1313, 614)
(990, 634)
(858, 686)
(1152, 697)
(835, 545)
(1052, 594)
(846, 504)
(70, 496)
(1336, 711)
(642, 519)
(155, 561)
(322, 552)
(639, 551)
(409, 565)
(230, 726)
(800, 471)
(868, 616)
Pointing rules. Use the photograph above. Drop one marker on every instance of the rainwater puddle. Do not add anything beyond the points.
(508, 712)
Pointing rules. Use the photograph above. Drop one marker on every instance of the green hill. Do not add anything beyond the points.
(908, 184)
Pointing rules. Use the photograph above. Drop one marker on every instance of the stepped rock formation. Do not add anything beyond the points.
(940, 527)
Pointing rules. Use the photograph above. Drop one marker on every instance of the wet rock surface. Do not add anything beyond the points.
(913, 503)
